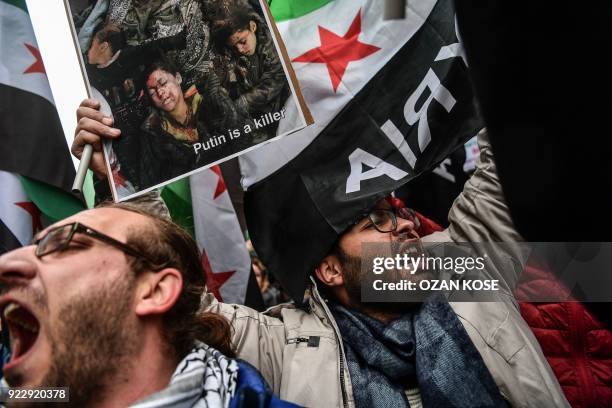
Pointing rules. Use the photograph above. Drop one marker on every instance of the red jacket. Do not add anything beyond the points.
(577, 346)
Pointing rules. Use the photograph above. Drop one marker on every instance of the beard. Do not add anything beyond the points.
(93, 343)
(355, 278)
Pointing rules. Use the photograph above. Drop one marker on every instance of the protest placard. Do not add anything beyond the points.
(190, 84)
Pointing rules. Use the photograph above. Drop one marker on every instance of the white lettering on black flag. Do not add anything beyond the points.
(409, 116)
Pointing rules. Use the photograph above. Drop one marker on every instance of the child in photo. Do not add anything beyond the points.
(261, 86)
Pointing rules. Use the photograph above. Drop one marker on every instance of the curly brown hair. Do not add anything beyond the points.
(166, 245)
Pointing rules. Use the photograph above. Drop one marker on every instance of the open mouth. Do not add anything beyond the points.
(410, 244)
(411, 247)
(23, 330)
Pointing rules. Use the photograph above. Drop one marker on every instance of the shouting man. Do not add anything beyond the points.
(107, 303)
(337, 350)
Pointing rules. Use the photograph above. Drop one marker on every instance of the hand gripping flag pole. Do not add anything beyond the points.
(79, 178)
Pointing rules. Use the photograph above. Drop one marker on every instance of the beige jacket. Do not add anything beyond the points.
(301, 355)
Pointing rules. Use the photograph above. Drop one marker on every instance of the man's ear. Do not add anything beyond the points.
(253, 26)
(329, 271)
(157, 292)
(179, 78)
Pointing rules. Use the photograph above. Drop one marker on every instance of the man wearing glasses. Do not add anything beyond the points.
(338, 351)
(106, 303)
(344, 352)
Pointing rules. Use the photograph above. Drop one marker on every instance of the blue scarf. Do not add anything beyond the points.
(429, 346)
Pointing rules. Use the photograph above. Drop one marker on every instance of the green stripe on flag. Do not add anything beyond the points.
(53, 202)
(289, 9)
(89, 193)
(177, 197)
(17, 3)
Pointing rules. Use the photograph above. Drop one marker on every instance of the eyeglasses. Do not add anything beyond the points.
(59, 238)
(385, 220)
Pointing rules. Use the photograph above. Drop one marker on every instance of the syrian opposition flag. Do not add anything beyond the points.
(35, 165)
(390, 100)
(203, 206)
(20, 219)
(33, 142)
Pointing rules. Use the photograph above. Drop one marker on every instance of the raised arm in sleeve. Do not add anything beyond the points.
(480, 214)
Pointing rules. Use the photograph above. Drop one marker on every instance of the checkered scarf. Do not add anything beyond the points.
(205, 378)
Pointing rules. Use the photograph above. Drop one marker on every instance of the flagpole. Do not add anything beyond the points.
(79, 178)
(394, 9)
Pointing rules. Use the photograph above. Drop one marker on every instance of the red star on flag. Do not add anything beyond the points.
(34, 212)
(37, 66)
(214, 280)
(337, 52)
(221, 188)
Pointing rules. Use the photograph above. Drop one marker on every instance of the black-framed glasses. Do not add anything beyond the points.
(385, 220)
(58, 239)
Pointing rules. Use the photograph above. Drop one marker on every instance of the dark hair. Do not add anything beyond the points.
(111, 34)
(239, 20)
(162, 65)
(168, 245)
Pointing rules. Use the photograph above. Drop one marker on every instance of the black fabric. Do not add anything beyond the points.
(429, 347)
(295, 215)
(287, 230)
(33, 142)
(433, 194)
(253, 297)
(545, 99)
(537, 72)
(8, 241)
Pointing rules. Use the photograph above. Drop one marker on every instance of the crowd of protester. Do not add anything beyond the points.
(112, 303)
(351, 352)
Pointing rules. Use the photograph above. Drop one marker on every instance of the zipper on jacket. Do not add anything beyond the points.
(344, 397)
(313, 341)
(297, 340)
(329, 316)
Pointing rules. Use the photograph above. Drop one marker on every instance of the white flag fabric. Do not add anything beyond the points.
(350, 23)
(21, 66)
(219, 236)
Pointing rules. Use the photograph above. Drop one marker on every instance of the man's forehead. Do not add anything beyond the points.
(112, 221)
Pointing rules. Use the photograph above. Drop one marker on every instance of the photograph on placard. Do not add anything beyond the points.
(189, 84)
